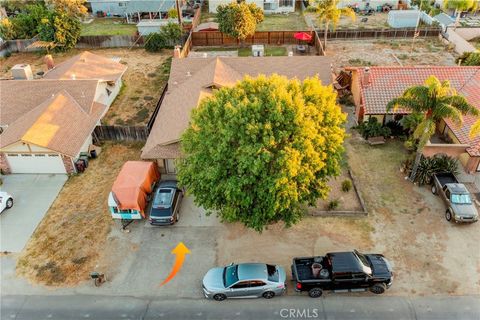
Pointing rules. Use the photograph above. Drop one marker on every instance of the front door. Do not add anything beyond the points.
(170, 166)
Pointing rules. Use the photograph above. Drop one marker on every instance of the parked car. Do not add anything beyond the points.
(456, 197)
(6, 201)
(245, 280)
(342, 272)
(166, 203)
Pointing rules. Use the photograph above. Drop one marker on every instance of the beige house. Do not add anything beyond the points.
(193, 79)
(372, 88)
(47, 123)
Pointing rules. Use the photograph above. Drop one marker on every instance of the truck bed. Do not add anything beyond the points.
(444, 178)
(303, 267)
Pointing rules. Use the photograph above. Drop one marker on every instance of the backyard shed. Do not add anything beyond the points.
(146, 27)
(134, 183)
(403, 18)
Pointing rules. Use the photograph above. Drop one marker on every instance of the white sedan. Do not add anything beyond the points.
(6, 201)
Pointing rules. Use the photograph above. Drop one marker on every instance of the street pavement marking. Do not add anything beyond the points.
(352, 310)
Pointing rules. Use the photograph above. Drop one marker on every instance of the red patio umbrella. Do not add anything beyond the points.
(302, 36)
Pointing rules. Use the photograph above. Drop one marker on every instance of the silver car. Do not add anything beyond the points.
(245, 280)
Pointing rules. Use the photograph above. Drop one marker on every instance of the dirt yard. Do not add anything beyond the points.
(429, 51)
(405, 223)
(146, 75)
(68, 242)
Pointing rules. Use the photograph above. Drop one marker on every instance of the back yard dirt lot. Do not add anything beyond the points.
(146, 75)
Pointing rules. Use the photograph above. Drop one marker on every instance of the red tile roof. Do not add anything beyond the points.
(387, 83)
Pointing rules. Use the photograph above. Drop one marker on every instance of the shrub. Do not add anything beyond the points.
(469, 59)
(172, 33)
(332, 205)
(155, 42)
(346, 185)
(396, 129)
(429, 166)
(372, 128)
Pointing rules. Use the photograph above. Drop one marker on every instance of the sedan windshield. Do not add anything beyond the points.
(461, 199)
(230, 275)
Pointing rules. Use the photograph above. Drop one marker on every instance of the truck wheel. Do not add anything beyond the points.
(434, 189)
(268, 294)
(448, 215)
(315, 293)
(9, 203)
(219, 297)
(378, 288)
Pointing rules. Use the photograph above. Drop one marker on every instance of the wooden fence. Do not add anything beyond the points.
(157, 108)
(120, 133)
(318, 44)
(347, 34)
(216, 38)
(109, 41)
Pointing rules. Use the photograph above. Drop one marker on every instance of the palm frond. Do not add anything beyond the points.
(475, 129)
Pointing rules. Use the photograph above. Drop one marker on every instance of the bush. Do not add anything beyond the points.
(372, 128)
(172, 33)
(429, 166)
(469, 59)
(332, 205)
(155, 42)
(346, 185)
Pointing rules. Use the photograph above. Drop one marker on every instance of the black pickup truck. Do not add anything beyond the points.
(342, 272)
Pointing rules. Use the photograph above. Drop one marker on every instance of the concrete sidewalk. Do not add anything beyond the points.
(32, 195)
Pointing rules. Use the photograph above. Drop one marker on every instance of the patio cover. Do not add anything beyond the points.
(133, 183)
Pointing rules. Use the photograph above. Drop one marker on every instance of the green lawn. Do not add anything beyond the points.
(269, 51)
(108, 27)
(283, 22)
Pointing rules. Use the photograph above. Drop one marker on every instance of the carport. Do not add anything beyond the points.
(33, 194)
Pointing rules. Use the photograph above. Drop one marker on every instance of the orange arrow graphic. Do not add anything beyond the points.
(180, 251)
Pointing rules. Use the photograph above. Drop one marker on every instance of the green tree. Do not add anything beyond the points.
(436, 101)
(172, 32)
(172, 13)
(459, 6)
(260, 151)
(239, 20)
(329, 14)
(469, 59)
(155, 42)
(7, 29)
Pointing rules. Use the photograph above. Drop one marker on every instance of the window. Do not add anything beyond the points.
(230, 275)
(241, 285)
(256, 283)
(115, 210)
(286, 3)
(126, 211)
(53, 155)
(13, 155)
(461, 199)
(343, 276)
(272, 273)
(39, 155)
(359, 276)
(26, 155)
(109, 92)
(121, 4)
(447, 194)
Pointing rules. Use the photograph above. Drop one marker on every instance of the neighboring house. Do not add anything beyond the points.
(193, 79)
(124, 7)
(374, 87)
(47, 123)
(374, 4)
(268, 6)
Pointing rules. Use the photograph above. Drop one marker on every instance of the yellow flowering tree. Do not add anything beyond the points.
(260, 151)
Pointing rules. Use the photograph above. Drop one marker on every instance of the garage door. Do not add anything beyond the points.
(35, 163)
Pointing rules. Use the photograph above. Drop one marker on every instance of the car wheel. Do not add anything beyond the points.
(9, 203)
(268, 295)
(448, 215)
(378, 288)
(434, 190)
(219, 297)
(315, 293)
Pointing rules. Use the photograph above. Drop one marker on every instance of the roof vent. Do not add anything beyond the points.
(189, 74)
(73, 76)
(204, 55)
(366, 76)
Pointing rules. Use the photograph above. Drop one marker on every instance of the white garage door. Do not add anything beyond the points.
(35, 163)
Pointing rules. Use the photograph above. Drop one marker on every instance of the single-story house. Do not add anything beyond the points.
(372, 88)
(193, 79)
(128, 7)
(268, 6)
(47, 123)
(207, 26)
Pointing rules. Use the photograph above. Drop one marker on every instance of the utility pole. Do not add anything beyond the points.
(179, 12)
(416, 33)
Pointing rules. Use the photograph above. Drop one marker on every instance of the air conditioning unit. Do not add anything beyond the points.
(22, 72)
(258, 50)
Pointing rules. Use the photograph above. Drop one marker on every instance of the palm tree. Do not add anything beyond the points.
(435, 100)
(329, 13)
(475, 129)
(459, 6)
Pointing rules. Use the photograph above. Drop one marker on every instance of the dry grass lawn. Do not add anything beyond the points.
(67, 244)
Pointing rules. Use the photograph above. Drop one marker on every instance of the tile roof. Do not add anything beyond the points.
(191, 80)
(87, 65)
(59, 124)
(387, 83)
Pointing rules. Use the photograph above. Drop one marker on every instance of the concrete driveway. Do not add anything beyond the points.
(32, 196)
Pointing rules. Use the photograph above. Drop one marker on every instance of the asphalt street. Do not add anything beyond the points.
(331, 307)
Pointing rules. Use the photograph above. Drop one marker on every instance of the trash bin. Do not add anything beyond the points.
(93, 154)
